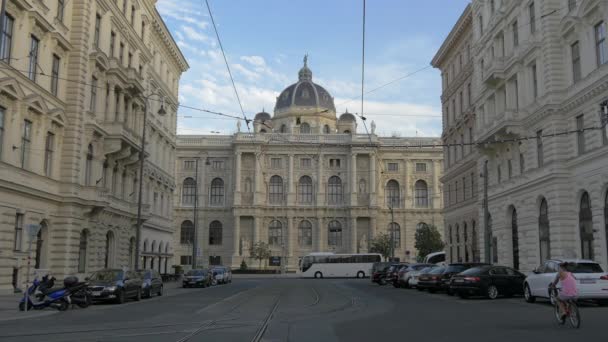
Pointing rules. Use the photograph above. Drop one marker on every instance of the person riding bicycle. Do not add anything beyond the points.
(568, 287)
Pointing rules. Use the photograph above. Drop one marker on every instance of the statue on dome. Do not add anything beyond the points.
(238, 126)
(373, 127)
(305, 59)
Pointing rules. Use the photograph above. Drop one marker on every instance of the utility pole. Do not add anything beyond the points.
(195, 240)
(486, 214)
(392, 233)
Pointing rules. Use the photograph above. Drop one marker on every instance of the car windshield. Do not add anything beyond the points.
(437, 270)
(195, 273)
(586, 267)
(455, 269)
(107, 275)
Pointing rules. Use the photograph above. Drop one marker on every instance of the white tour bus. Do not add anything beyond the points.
(325, 265)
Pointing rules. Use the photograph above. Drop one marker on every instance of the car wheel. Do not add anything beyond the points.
(86, 301)
(552, 295)
(160, 291)
(528, 294)
(360, 274)
(120, 297)
(492, 292)
(318, 275)
(138, 295)
(463, 295)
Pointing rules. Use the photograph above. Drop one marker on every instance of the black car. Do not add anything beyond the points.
(152, 283)
(432, 280)
(392, 274)
(378, 272)
(196, 278)
(453, 269)
(488, 281)
(115, 285)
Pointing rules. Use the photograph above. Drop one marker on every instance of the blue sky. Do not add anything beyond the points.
(265, 42)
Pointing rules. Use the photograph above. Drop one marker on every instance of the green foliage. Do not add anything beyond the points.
(381, 243)
(428, 240)
(260, 251)
(243, 265)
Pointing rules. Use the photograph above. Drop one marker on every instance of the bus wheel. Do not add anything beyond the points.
(318, 275)
(360, 274)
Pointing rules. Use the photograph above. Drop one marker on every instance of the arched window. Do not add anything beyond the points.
(392, 194)
(422, 225)
(88, 167)
(305, 234)
(186, 233)
(334, 236)
(82, 251)
(334, 190)
(215, 233)
(326, 129)
(275, 191)
(217, 192)
(40, 261)
(110, 248)
(394, 231)
(123, 185)
(275, 233)
(421, 194)
(160, 247)
(544, 233)
(304, 128)
(515, 239)
(188, 191)
(145, 258)
(283, 128)
(305, 190)
(586, 227)
(347, 131)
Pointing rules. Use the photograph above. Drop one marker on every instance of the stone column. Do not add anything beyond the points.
(353, 234)
(372, 227)
(290, 236)
(111, 101)
(372, 180)
(290, 180)
(353, 179)
(237, 178)
(120, 111)
(436, 195)
(236, 236)
(407, 194)
(320, 235)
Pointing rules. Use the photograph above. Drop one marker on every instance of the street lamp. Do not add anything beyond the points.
(142, 157)
(392, 228)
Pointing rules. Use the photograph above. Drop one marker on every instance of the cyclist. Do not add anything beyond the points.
(568, 287)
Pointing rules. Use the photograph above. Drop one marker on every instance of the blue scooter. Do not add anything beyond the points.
(45, 296)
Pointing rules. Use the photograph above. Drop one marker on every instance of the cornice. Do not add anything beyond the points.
(463, 23)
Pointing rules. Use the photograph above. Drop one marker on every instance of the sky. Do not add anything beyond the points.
(265, 42)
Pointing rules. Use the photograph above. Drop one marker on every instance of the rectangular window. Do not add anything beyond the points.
(97, 30)
(18, 240)
(454, 109)
(143, 29)
(539, 148)
(189, 164)
(464, 188)
(121, 56)
(112, 44)
(522, 163)
(130, 60)
(580, 134)
(155, 202)
(498, 173)
(217, 165)
(456, 192)
(305, 163)
(26, 141)
(576, 62)
(571, 5)
(472, 184)
(275, 163)
(93, 104)
(33, 65)
(55, 75)
(469, 95)
(516, 92)
(393, 167)
(60, 9)
(49, 147)
(532, 15)
(124, 6)
(334, 163)
(534, 80)
(132, 14)
(480, 25)
(509, 169)
(7, 38)
(600, 43)
(185, 259)
(460, 98)
(515, 30)
(492, 6)
(2, 109)
(420, 167)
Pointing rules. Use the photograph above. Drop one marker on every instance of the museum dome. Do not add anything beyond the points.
(305, 94)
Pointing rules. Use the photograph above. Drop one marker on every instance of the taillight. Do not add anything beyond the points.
(472, 279)
(604, 277)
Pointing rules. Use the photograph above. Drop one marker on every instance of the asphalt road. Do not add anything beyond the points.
(307, 310)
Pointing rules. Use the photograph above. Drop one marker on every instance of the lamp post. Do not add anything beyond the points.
(392, 233)
(142, 159)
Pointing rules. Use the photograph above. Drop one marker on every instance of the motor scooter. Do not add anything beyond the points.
(41, 295)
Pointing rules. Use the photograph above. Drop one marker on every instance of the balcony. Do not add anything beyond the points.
(495, 72)
(499, 127)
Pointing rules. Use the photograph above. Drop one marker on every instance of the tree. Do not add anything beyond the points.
(260, 251)
(428, 240)
(381, 244)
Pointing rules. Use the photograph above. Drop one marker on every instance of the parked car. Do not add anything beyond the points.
(152, 283)
(115, 285)
(377, 267)
(591, 280)
(405, 273)
(217, 276)
(197, 278)
(431, 280)
(393, 272)
(489, 281)
(225, 275)
(415, 275)
(451, 270)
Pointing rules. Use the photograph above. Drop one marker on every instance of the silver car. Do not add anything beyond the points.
(413, 280)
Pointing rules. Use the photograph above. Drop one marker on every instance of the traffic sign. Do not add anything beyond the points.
(33, 229)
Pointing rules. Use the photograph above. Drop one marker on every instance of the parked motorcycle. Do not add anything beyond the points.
(42, 294)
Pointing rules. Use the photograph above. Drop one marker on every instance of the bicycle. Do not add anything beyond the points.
(572, 313)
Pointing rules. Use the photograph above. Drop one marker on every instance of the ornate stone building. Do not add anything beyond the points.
(460, 176)
(303, 181)
(541, 68)
(73, 79)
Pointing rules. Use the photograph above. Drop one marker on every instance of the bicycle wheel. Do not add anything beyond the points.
(558, 315)
(575, 316)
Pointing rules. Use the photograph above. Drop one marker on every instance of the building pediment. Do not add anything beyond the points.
(11, 87)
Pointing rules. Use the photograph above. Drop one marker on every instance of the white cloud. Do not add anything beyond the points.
(256, 61)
